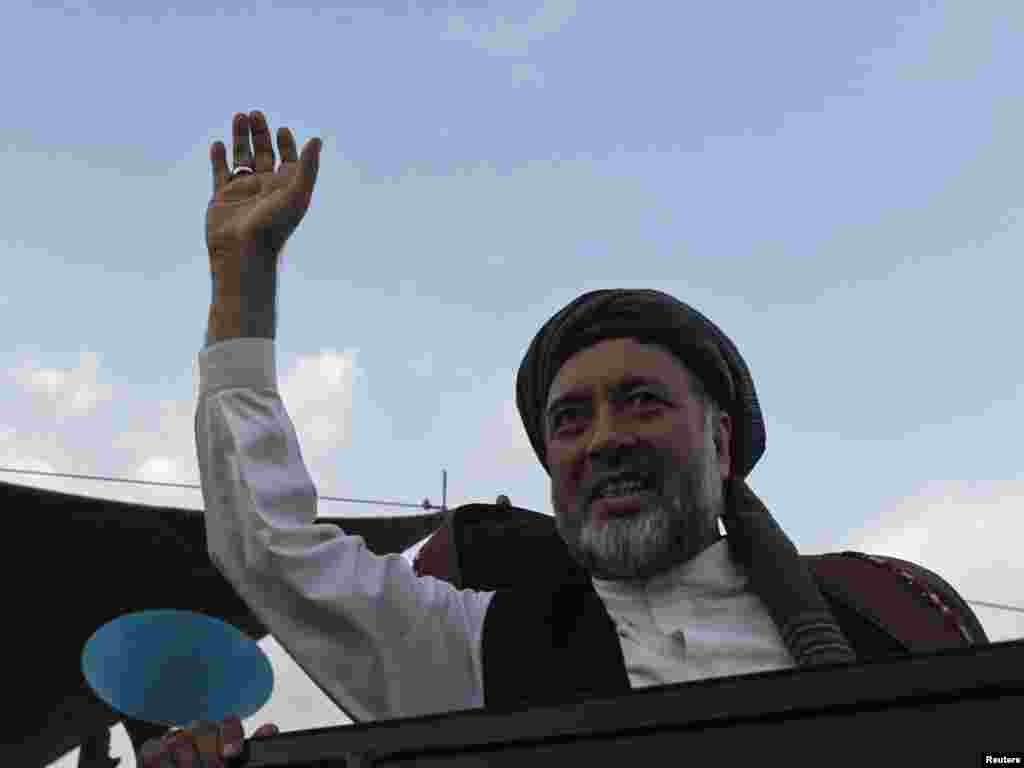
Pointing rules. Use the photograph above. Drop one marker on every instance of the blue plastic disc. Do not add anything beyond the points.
(173, 667)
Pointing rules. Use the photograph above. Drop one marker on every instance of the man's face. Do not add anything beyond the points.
(631, 410)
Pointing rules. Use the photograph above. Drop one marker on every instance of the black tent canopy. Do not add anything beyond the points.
(73, 563)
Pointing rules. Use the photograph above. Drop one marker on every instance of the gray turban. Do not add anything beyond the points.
(648, 316)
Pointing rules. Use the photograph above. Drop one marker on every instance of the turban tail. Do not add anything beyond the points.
(776, 572)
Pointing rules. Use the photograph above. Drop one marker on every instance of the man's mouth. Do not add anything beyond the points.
(622, 497)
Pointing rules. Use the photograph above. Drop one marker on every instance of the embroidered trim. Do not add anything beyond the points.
(948, 614)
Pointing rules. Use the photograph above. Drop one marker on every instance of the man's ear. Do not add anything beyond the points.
(723, 443)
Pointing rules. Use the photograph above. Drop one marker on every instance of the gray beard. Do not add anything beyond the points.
(664, 535)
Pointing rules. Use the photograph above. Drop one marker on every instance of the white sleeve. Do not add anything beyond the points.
(379, 640)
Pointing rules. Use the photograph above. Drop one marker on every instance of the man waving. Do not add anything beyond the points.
(645, 416)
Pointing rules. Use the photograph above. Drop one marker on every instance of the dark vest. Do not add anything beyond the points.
(547, 636)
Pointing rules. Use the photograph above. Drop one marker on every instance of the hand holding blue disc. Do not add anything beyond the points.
(172, 667)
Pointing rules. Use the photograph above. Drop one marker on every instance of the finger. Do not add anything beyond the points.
(182, 748)
(232, 735)
(154, 754)
(240, 131)
(208, 739)
(286, 143)
(261, 142)
(268, 729)
(219, 160)
(300, 189)
(309, 168)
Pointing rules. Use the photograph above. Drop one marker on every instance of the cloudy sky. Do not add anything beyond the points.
(836, 185)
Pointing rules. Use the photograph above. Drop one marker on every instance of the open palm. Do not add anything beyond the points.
(260, 210)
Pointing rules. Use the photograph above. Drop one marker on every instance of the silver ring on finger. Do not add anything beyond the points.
(240, 169)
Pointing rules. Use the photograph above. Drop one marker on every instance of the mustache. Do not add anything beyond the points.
(654, 475)
(678, 490)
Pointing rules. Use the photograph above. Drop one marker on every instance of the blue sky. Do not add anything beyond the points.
(836, 186)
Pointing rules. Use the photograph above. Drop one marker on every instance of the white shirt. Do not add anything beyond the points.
(696, 621)
(379, 640)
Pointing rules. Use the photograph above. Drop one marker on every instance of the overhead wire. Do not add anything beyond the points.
(424, 505)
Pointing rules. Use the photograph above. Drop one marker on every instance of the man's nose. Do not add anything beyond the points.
(611, 433)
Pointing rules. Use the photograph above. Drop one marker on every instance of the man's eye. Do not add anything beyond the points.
(648, 395)
(635, 396)
(559, 416)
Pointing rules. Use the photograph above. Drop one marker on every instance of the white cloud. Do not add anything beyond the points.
(317, 393)
(161, 445)
(950, 528)
(160, 469)
(423, 365)
(527, 72)
(69, 391)
(499, 458)
(465, 373)
(163, 450)
(511, 38)
(945, 44)
(17, 452)
(511, 444)
(168, 469)
(497, 428)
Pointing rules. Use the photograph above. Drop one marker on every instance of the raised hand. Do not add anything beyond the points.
(258, 211)
(248, 220)
(201, 745)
